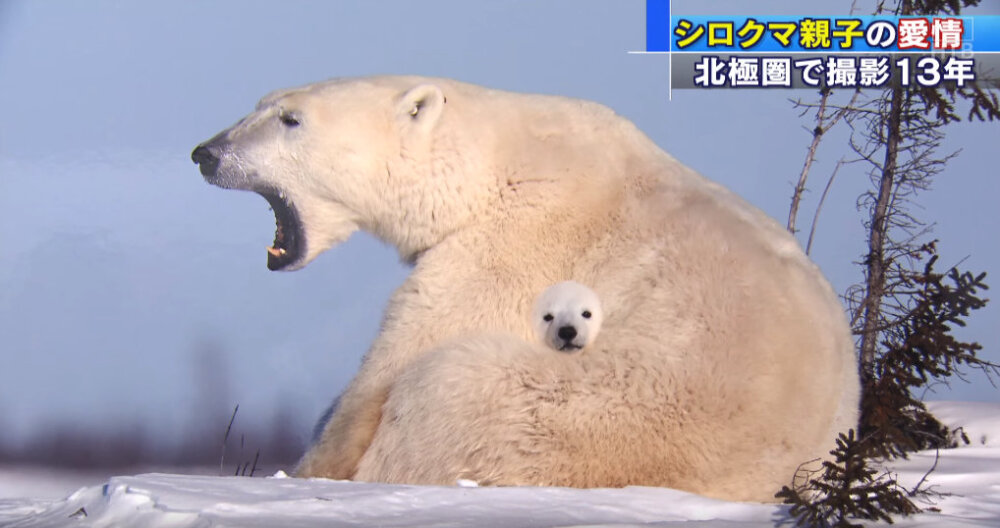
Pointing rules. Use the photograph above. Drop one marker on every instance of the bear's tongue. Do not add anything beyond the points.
(285, 248)
(276, 248)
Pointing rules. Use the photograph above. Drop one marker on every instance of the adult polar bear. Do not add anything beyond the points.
(724, 362)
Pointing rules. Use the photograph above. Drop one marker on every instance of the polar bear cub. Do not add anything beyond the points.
(567, 316)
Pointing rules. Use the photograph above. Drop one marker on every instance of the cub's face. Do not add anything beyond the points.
(567, 316)
(322, 156)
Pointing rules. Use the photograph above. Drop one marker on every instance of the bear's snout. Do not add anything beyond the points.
(567, 333)
(207, 161)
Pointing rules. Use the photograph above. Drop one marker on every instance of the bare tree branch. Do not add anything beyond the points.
(823, 124)
(819, 207)
(937, 456)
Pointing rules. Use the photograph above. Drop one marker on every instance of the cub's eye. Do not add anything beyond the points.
(547, 318)
(586, 314)
(288, 120)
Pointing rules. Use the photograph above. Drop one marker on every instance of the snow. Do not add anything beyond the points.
(57, 483)
(980, 421)
(967, 478)
(45, 483)
(184, 500)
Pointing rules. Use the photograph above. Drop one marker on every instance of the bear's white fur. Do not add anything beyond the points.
(725, 359)
(567, 316)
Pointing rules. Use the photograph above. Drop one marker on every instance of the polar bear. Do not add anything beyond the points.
(567, 316)
(725, 359)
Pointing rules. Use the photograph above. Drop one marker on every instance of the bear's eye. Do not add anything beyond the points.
(586, 314)
(547, 318)
(288, 120)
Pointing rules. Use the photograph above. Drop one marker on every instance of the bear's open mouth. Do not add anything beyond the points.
(570, 347)
(287, 246)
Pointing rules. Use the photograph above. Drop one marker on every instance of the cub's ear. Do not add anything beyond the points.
(421, 106)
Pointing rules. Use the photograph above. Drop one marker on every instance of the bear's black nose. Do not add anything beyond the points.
(207, 162)
(567, 333)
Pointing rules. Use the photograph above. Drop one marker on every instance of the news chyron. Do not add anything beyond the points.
(818, 52)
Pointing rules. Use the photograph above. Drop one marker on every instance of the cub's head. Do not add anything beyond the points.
(334, 157)
(567, 316)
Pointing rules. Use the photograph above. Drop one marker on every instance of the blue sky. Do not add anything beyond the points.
(117, 262)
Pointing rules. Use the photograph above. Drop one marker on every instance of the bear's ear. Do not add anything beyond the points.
(421, 106)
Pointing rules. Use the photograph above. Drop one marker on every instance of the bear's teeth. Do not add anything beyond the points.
(276, 251)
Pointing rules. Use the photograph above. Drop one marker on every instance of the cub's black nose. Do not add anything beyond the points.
(567, 333)
(207, 162)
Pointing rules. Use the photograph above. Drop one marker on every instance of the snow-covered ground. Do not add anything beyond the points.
(968, 478)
